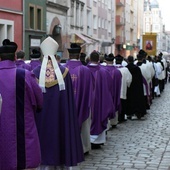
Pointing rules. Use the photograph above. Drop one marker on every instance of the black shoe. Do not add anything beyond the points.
(114, 126)
(129, 117)
(95, 146)
(86, 153)
(121, 121)
(148, 107)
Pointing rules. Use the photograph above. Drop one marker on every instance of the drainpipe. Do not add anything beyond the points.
(23, 43)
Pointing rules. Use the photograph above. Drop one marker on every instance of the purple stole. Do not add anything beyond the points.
(20, 123)
(147, 89)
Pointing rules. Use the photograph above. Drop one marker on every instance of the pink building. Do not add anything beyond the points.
(11, 21)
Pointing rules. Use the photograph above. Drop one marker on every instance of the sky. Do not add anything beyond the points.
(165, 10)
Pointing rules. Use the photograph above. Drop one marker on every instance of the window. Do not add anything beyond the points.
(156, 28)
(82, 16)
(32, 16)
(109, 26)
(147, 28)
(102, 23)
(109, 4)
(77, 14)
(35, 17)
(72, 13)
(99, 22)
(39, 18)
(94, 21)
(6, 30)
(9, 31)
(106, 24)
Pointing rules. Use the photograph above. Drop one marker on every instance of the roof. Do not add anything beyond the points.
(154, 4)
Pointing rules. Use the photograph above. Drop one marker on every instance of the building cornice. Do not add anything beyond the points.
(55, 5)
(35, 31)
(11, 11)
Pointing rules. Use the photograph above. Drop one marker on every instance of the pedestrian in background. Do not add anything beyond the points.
(150, 75)
(83, 58)
(116, 87)
(35, 59)
(159, 76)
(58, 58)
(164, 64)
(20, 60)
(20, 98)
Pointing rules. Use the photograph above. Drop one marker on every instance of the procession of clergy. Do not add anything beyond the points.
(71, 108)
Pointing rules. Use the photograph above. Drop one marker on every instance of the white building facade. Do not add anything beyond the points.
(153, 23)
(107, 26)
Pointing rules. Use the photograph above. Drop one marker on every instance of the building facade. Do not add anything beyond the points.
(120, 25)
(57, 24)
(34, 24)
(106, 26)
(11, 21)
(153, 23)
(129, 23)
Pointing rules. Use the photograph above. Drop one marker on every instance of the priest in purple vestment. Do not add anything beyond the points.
(102, 102)
(57, 124)
(35, 59)
(82, 85)
(20, 63)
(116, 87)
(20, 98)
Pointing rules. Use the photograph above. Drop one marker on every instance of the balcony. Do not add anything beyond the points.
(120, 2)
(120, 21)
(119, 39)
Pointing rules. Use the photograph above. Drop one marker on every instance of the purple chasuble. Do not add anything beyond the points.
(34, 63)
(19, 143)
(22, 64)
(82, 85)
(116, 86)
(57, 124)
(102, 102)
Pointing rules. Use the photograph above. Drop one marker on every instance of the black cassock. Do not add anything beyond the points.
(135, 94)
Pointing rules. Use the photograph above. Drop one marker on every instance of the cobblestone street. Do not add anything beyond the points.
(137, 144)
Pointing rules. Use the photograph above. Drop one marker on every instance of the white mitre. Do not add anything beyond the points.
(49, 48)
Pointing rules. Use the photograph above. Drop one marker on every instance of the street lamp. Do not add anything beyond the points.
(57, 30)
(113, 40)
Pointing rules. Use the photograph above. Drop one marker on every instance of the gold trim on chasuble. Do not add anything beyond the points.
(54, 82)
(50, 81)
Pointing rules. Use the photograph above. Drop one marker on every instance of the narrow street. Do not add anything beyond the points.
(137, 144)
